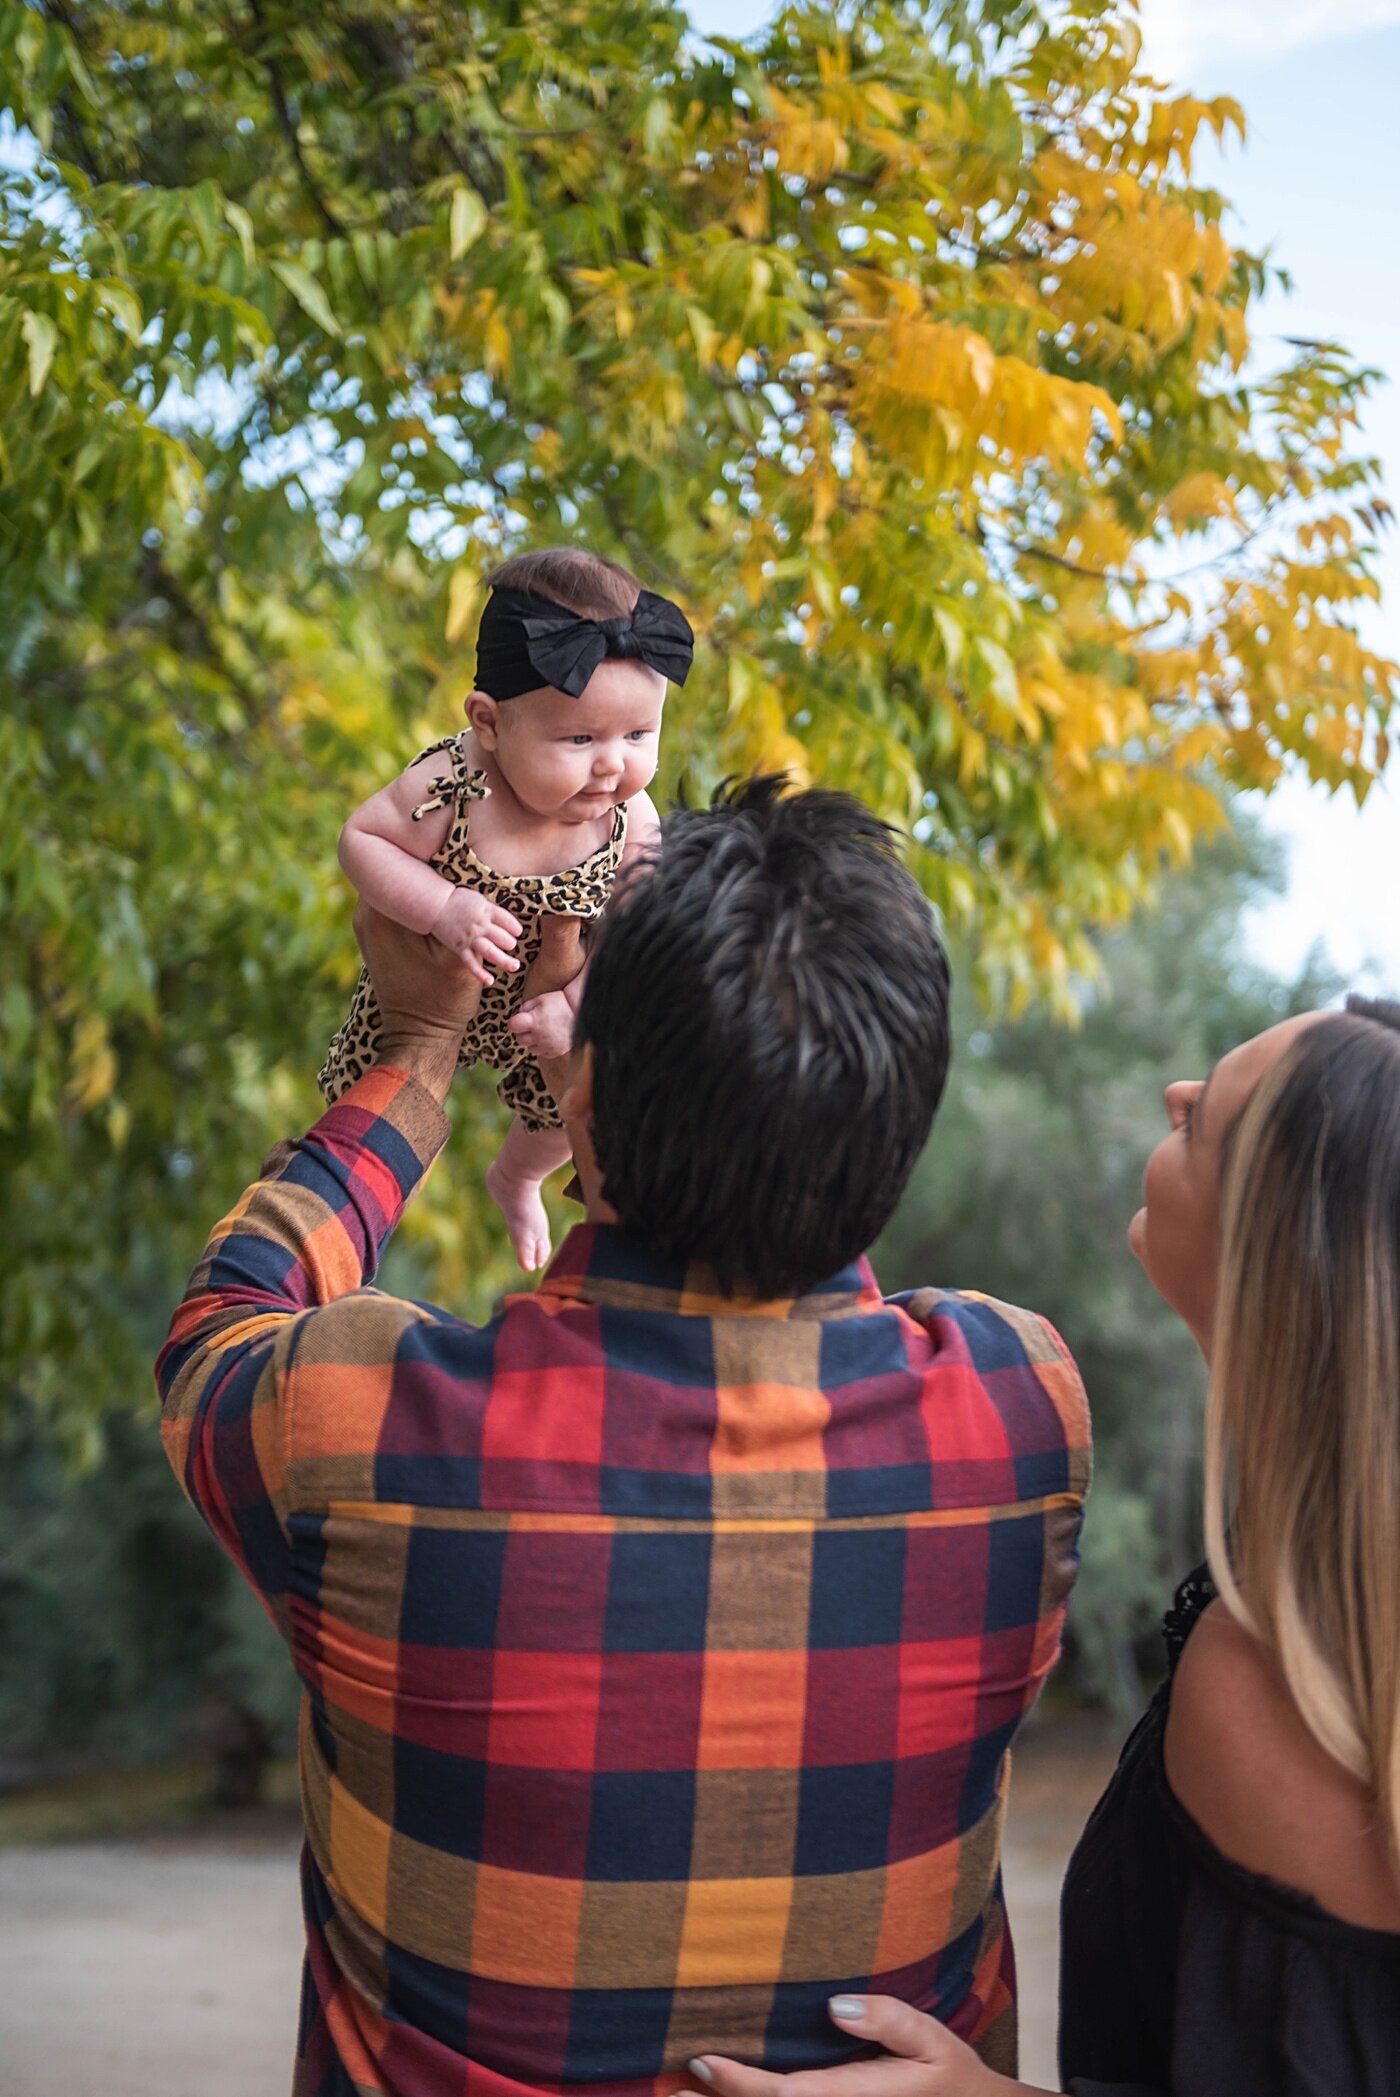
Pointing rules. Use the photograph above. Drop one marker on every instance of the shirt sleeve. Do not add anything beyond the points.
(309, 1232)
(1009, 1431)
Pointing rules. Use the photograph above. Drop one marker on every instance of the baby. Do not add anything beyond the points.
(528, 813)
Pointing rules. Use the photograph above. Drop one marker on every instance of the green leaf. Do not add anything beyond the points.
(466, 221)
(366, 259)
(123, 305)
(308, 295)
(42, 336)
(242, 225)
(205, 207)
(557, 306)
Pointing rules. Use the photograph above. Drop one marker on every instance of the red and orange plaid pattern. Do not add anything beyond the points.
(661, 1651)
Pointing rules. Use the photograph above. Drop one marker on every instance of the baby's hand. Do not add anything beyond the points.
(478, 932)
(544, 1026)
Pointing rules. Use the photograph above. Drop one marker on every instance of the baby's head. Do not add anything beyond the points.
(572, 663)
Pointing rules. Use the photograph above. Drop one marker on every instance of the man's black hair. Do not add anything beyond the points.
(768, 1013)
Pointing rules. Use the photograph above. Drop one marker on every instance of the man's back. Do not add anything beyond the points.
(662, 1650)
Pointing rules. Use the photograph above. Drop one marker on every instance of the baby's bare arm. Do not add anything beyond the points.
(383, 851)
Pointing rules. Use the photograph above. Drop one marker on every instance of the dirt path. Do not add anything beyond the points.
(149, 1968)
(168, 1967)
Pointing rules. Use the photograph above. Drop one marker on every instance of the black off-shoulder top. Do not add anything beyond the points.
(1183, 1975)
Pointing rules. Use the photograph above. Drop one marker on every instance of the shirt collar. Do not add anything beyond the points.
(602, 1263)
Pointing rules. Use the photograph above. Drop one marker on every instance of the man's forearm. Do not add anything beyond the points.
(428, 1058)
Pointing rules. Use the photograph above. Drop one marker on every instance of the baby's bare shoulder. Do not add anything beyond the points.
(390, 811)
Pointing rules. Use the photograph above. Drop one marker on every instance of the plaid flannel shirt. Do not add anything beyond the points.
(661, 1652)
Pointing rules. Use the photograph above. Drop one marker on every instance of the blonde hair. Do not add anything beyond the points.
(1303, 1418)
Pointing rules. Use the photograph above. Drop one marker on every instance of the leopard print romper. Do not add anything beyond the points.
(578, 891)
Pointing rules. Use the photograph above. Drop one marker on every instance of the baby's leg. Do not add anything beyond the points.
(527, 1158)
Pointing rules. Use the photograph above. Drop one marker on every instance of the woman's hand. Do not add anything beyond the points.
(922, 2059)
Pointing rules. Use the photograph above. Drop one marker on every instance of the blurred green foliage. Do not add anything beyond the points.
(124, 1630)
(126, 1635)
(1026, 1190)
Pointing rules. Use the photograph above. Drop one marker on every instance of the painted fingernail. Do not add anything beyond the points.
(849, 2008)
(700, 2071)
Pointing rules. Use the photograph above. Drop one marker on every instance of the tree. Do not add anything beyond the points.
(1026, 1189)
(126, 1635)
(147, 1633)
(901, 343)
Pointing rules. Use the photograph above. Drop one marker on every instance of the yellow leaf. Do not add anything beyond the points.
(703, 332)
(981, 362)
(498, 346)
(1176, 833)
(94, 1065)
(750, 214)
(463, 596)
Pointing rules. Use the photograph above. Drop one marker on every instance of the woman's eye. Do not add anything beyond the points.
(1188, 1111)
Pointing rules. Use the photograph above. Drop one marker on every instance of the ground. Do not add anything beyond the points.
(167, 1966)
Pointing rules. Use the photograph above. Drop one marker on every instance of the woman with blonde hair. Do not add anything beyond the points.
(1231, 1916)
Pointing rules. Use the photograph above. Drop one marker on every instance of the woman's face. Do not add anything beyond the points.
(1174, 1233)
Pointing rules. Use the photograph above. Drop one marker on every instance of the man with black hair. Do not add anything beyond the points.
(662, 1639)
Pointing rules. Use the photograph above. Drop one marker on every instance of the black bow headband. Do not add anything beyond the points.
(527, 641)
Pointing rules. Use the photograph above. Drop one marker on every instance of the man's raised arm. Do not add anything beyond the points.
(309, 1231)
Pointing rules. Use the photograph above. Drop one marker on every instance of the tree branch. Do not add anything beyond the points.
(173, 590)
(287, 125)
(82, 152)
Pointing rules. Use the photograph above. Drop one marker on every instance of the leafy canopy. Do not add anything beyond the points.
(899, 342)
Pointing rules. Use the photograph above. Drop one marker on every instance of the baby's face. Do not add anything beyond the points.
(574, 759)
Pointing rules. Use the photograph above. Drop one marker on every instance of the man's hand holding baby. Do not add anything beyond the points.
(479, 932)
(427, 998)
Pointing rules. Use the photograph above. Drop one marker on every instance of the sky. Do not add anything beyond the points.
(1317, 182)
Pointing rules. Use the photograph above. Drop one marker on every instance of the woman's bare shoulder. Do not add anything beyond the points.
(1244, 1765)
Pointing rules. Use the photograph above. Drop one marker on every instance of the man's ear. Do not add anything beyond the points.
(576, 1112)
(576, 1100)
(483, 715)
